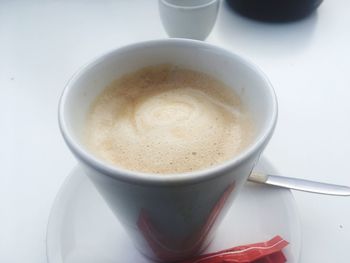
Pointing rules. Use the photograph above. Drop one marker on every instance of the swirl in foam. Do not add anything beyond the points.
(167, 120)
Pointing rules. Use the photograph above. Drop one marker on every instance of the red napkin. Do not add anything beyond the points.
(265, 252)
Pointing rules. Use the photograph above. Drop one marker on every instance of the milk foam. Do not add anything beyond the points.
(163, 119)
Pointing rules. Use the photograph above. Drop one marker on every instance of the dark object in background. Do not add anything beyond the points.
(275, 10)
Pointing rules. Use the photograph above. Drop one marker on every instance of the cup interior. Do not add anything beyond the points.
(188, 3)
(243, 77)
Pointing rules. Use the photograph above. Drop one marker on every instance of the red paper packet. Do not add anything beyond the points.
(265, 252)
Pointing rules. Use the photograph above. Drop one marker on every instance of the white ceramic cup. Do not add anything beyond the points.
(169, 217)
(188, 18)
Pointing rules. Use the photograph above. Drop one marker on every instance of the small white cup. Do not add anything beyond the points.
(188, 18)
(174, 216)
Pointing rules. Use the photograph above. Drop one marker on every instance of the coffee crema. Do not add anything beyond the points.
(165, 119)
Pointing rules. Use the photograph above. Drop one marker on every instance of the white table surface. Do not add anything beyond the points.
(42, 43)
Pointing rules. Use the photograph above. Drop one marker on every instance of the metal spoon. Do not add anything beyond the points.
(300, 184)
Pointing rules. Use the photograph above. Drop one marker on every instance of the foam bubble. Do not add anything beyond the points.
(167, 120)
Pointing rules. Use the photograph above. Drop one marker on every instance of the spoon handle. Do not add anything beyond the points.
(300, 184)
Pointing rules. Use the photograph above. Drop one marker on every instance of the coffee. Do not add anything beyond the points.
(165, 119)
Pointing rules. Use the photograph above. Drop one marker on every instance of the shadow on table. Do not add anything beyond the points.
(277, 39)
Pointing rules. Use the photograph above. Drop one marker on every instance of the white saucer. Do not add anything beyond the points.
(82, 229)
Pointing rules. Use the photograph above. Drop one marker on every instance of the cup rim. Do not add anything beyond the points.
(143, 178)
(166, 3)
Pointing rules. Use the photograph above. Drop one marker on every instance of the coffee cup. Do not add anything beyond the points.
(188, 18)
(174, 216)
